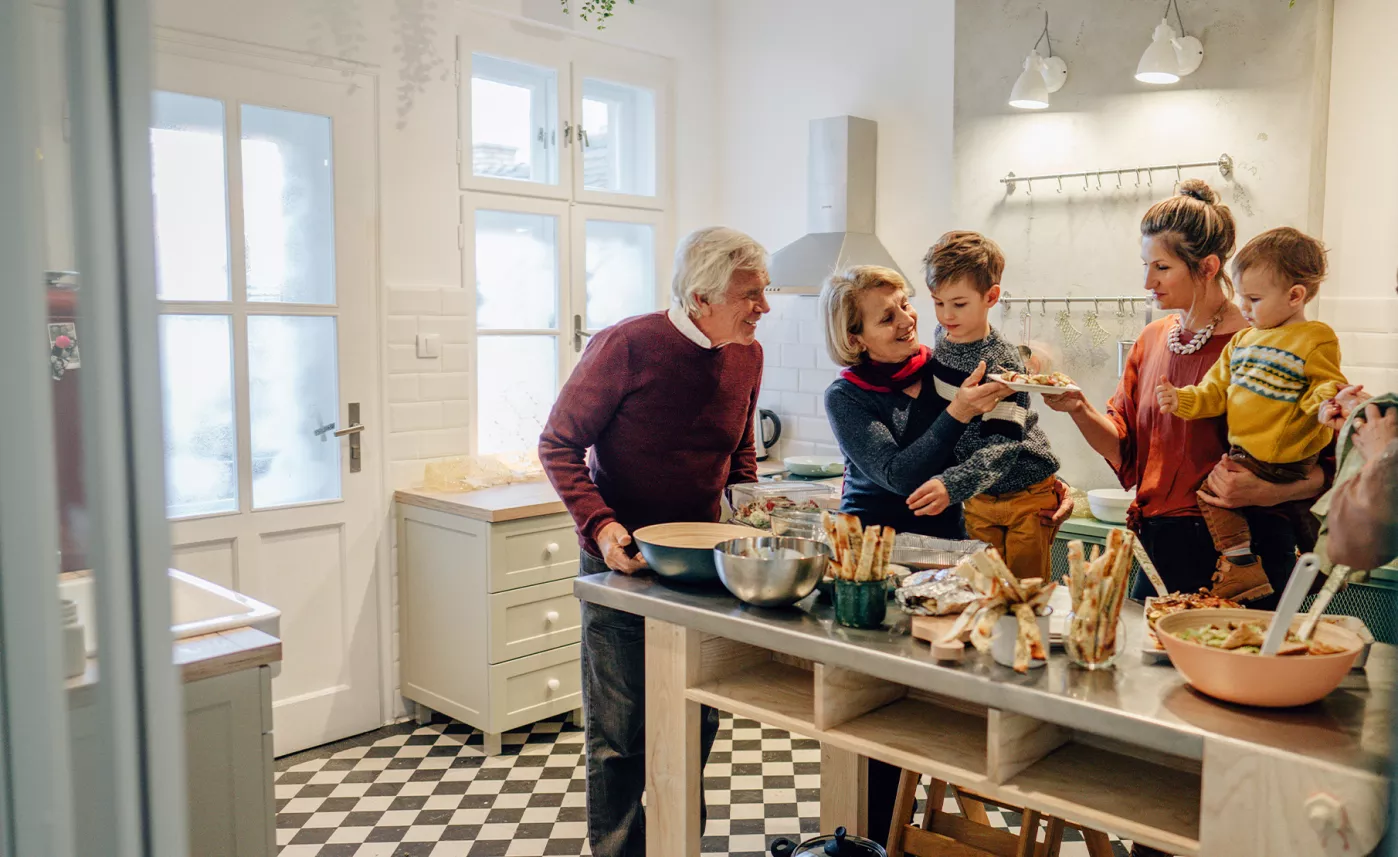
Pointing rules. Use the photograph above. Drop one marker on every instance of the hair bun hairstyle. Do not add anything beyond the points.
(1200, 190)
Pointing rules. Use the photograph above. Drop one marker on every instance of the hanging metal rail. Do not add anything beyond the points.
(1224, 164)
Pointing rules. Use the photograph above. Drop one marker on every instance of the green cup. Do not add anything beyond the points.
(861, 604)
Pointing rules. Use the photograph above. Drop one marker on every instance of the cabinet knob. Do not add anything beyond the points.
(551, 617)
(551, 548)
(553, 685)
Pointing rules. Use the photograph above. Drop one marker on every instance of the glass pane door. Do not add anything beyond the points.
(514, 120)
(616, 269)
(516, 249)
(617, 131)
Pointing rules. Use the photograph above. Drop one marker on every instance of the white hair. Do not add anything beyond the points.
(706, 261)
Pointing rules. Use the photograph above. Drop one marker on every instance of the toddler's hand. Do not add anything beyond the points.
(1167, 395)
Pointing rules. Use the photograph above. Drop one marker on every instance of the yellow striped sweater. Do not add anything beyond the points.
(1271, 384)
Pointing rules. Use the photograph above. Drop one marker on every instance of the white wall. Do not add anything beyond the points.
(1260, 96)
(785, 62)
(1361, 193)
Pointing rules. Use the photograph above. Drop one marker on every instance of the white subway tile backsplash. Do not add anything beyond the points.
(403, 388)
(403, 446)
(812, 333)
(456, 301)
(445, 386)
(770, 400)
(798, 404)
(798, 357)
(797, 447)
(405, 301)
(774, 331)
(403, 359)
(1375, 379)
(402, 329)
(456, 358)
(454, 330)
(802, 309)
(786, 380)
(444, 442)
(1352, 315)
(815, 380)
(1369, 349)
(412, 416)
(405, 474)
(457, 414)
(814, 429)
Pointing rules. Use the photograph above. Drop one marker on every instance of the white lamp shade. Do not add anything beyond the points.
(1160, 64)
(1030, 92)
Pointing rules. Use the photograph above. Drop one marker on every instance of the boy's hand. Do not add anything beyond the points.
(1168, 396)
(1334, 412)
(930, 499)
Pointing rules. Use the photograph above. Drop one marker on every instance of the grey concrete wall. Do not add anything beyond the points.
(1260, 96)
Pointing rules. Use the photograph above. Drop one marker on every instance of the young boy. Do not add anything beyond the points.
(1271, 381)
(1005, 471)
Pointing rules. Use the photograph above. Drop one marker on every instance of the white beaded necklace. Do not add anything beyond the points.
(1199, 340)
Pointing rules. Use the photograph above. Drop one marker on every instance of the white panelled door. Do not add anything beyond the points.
(264, 216)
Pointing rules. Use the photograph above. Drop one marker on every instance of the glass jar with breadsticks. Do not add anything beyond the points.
(1098, 588)
(861, 567)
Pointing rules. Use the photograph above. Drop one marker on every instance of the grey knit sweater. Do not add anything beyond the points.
(1005, 450)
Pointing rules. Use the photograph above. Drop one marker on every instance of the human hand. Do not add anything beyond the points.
(1167, 395)
(931, 498)
(1374, 431)
(1334, 412)
(1069, 402)
(613, 540)
(1233, 486)
(1055, 517)
(975, 398)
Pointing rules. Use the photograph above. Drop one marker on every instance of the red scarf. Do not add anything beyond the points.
(888, 377)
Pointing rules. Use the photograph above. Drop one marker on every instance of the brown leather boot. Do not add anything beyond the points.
(1240, 578)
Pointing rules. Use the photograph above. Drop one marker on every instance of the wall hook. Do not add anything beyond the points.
(1150, 179)
(1099, 181)
(1029, 187)
(1060, 184)
(1043, 308)
(1138, 178)
(1118, 180)
(1084, 183)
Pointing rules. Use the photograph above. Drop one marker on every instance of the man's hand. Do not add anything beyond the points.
(1373, 431)
(930, 499)
(1054, 517)
(613, 540)
(1167, 395)
(1232, 486)
(1334, 412)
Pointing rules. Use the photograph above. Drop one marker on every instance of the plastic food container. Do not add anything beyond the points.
(752, 503)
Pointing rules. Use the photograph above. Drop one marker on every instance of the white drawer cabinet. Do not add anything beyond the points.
(489, 628)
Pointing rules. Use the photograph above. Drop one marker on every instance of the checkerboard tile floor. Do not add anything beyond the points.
(430, 791)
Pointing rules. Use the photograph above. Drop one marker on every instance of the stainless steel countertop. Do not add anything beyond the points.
(1143, 704)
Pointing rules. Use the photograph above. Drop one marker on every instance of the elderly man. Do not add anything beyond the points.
(666, 402)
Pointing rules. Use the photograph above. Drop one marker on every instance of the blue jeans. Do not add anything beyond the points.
(614, 704)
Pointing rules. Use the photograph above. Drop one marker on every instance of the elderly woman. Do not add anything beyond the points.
(665, 402)
(1186, 241)
(894, 437)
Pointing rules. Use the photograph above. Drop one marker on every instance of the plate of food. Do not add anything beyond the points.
(1047, 383)
(1158, 607)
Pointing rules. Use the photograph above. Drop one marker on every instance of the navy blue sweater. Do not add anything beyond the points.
(893, 443)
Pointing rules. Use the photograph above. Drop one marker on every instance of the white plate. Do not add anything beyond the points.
(1062, 603)
(815, 465)
(1046, 389)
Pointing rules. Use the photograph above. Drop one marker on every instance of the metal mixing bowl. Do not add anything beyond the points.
(757, 573)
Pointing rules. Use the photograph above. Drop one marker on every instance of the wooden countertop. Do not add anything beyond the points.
(492, 505)
(207, 656)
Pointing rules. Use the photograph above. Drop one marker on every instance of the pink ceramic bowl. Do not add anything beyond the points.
(1249, 679)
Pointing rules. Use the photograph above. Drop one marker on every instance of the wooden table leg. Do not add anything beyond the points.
(673, 776)
(973, 809)
(1028, 833)
(902, 812)
(844, 779)
(1099, 844)
(936, 796)
(1053, 838)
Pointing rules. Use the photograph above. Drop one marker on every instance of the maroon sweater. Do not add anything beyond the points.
(669, 424)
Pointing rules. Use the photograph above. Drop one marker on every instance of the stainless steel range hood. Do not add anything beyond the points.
(839, 208)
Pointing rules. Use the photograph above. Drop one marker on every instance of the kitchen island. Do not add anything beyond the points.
(1131, 750)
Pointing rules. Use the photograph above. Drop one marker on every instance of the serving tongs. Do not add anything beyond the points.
(1302, 576)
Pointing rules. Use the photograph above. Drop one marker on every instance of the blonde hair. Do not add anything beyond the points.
(839, 306)
(964, 254)
(1295, 256)
(706, 261)
(1195, 226)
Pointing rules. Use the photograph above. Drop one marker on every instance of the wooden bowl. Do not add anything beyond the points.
(685, 552)
(1277, 681)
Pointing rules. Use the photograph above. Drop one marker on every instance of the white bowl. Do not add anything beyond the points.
(1110, 504)
(815, 465)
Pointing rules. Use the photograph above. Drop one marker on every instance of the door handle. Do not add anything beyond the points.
(579, 334)
(353, 431)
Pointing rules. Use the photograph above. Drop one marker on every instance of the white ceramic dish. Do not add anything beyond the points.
(1046, 389)
(1110, 504)
(815, 465)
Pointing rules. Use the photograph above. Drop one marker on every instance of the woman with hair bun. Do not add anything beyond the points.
(1186, 241)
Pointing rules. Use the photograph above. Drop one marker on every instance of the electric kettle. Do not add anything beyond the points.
(766, 431)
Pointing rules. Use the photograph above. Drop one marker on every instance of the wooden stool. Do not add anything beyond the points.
(970, 834)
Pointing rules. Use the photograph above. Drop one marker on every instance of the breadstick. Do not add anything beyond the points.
(845, 547)
(867, 553)
(827, 522)
(1029, 637)
(886, 555)
(1077, 571)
